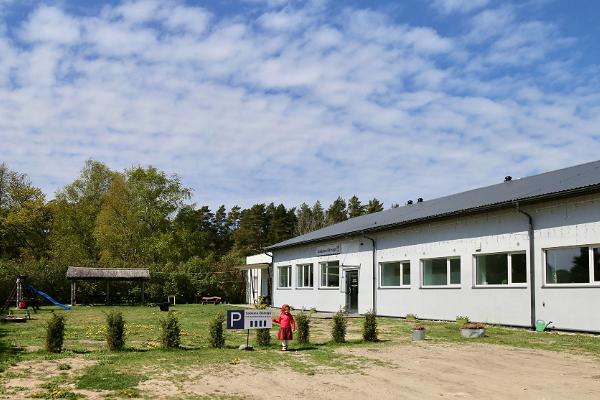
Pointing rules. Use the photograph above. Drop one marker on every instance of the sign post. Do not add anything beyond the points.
(249, 319)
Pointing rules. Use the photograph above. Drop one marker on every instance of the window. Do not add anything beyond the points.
(330, 274)
(441, 271)
(579, 265)
(395, 274)
(285, 276)
(305, 275)
(500, 269)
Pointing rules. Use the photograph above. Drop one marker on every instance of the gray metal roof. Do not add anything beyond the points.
(108, 273)
(563, 182)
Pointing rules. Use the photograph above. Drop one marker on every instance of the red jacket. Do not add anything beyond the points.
(285, 320)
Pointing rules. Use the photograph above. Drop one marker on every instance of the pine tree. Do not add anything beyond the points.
(337, 211)
(355, 208)
(305, 219)
(318, 216)
(374, 206)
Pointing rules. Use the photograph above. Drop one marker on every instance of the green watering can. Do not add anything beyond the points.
(541, 326)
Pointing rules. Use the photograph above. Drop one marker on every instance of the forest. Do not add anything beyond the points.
(142, 217)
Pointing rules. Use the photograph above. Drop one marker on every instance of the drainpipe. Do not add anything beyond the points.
(531, 263)
(269, 279)
(374, 249)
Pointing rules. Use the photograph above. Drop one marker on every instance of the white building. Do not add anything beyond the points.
(512, 253)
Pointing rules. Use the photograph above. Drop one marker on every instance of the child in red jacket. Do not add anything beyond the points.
(287, 324)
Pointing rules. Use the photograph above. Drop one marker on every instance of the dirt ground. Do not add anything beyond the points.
(412, 371)
(418, 372)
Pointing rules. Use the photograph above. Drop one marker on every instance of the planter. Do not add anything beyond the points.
(472, 333)
(418, 334)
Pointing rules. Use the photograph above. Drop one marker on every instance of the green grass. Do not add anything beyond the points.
(120, 373)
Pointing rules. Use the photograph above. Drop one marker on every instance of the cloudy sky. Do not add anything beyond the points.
(290, 101)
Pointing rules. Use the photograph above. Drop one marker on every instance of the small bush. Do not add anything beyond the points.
(338, 328)
(55, 333)
(369, 331)
(461, 320)
(170, 331)
(217, 338)
(263, 337)
(411, 317)
(303, 326)
(115, 330)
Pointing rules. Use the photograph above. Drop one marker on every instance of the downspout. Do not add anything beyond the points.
(531, 263)
(269, 278)
(374, 249)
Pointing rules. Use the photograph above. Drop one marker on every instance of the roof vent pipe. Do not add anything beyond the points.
(507, 178)
(408, 203)
(420, 200)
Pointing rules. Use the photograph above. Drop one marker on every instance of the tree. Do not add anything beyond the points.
(355, 208)
(337, 211)
(75, 210)
(251, 235)
(24, 218)
(374, 206)
(305, 219)
(282, 224)
(318, 216)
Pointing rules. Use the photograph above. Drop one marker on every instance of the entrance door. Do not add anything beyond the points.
(352, 291)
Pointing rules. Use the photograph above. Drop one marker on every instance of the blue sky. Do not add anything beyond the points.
(287, 101)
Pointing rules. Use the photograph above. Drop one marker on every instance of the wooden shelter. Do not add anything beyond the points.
(75, 274)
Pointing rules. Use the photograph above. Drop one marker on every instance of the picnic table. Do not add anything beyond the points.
(211, 300)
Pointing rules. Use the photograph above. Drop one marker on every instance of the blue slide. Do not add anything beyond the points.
(47, 297)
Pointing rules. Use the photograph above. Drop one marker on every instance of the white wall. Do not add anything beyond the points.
(569, 222)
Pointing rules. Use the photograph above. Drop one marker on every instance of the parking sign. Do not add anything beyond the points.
(249, 319)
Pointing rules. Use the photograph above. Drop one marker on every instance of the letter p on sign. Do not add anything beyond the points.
(235, 319)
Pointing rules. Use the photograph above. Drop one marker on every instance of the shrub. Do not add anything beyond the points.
(461, 320)
(369, 331)
(338, 328)
(170, 331)
(217, 339)
(303, 326)
(263, 337)
(419, 327)
(115, 330)
(473, 325)
(411, 317)
(55, 333)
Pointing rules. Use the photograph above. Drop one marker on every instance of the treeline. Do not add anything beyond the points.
(142, 217)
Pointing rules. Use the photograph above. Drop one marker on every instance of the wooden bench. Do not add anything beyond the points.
(211, 300)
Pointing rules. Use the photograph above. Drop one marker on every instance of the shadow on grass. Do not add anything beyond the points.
(9, 355)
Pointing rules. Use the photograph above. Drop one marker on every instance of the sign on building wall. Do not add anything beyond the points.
(329, 250)
(249, 319)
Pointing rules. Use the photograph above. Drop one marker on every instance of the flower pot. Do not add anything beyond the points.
(472, 333)
(418, 334)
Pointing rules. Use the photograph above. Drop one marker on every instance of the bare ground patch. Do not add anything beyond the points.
(414, 371)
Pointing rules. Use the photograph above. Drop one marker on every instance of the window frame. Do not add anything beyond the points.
(448, 285)
(402, 285)
(325, 264)
(300, 276)
(509, 270)
(289, 268)
(593, 280)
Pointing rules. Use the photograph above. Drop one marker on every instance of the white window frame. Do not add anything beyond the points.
(593, 280)
(325, 264)
(448, 284)
(509, 266)
(402, 284)
(289, 268)
(300, 275)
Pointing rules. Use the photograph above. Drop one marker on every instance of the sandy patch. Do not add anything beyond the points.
(415, 371)
(26, 378)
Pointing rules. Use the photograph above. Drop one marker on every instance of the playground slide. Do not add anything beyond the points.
(47, 297)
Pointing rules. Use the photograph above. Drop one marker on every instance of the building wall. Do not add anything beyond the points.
(571, 222)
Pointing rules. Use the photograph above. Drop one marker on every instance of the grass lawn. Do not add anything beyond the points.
(118, 374)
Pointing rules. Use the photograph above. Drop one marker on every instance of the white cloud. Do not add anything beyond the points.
(458, 6)
(340, 104)
(51, 25)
